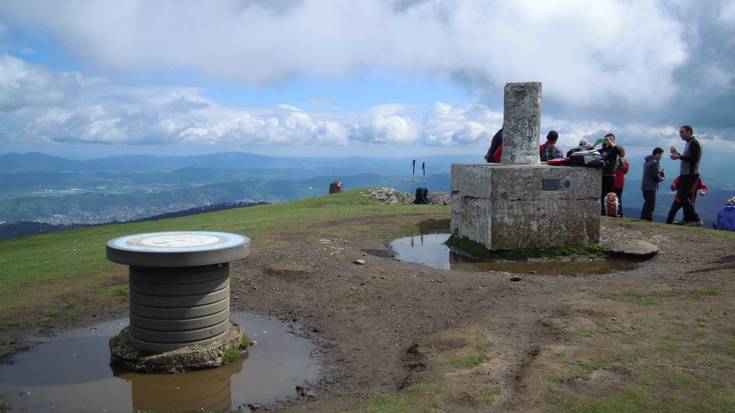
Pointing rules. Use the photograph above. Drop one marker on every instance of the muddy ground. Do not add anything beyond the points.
(459, 341)
(401, 337)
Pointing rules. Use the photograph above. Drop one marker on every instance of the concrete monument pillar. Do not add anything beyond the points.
(521, 123)
(523, 203)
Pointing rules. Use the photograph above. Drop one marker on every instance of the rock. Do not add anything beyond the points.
(516, 278)
(632, 248)
(359, 261)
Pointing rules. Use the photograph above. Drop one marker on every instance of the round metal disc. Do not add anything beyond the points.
(178, 248)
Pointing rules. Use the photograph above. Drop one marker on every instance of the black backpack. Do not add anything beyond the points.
(589, 159)
(422, 196)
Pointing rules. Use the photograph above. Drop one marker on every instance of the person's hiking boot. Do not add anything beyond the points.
(694, 223)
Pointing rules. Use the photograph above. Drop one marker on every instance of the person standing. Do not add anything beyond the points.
(548, 150)
(620, 171)
(609, 153)
(652, 176)
(688, 174)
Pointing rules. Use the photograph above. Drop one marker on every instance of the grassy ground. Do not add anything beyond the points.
(55, 278)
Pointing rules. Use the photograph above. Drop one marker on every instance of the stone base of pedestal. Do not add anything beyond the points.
(196, 357)
(526, 206)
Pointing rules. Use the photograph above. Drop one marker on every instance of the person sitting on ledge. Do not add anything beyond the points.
(548, 150)
(726, 216)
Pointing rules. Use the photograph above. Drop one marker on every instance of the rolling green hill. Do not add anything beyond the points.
(52, 274)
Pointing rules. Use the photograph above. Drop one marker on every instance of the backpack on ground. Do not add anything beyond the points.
(422, 196)
(611, 204)
(589, 159)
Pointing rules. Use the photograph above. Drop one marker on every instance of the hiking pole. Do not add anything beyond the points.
(423, 168)
(413, 171)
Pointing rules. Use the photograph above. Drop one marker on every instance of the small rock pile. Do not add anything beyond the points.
(392, 197)
(389, 196)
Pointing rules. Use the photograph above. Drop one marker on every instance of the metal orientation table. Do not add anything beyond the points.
(179, 285)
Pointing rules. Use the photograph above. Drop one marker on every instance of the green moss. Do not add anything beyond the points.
(230, 355)
(3, 406)
(245, 341)
(477, 250)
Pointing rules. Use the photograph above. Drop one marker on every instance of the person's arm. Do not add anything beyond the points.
(652, 170)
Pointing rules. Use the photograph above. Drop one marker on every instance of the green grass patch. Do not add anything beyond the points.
(464, 362)
(632, 298)
(3, 406)
(39, 259)
(230, 355)
(478, 251)
(245, 341)
(119, 291)
(655, 297)
(415, 397)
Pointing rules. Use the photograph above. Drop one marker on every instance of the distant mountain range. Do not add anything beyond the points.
(39, 188)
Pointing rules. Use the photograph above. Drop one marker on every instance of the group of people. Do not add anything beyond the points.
(687, 185)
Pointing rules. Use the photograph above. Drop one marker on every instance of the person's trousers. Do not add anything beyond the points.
(649, 205)
(686, 193)
(608, 185)
(619, 193)
(675, 207)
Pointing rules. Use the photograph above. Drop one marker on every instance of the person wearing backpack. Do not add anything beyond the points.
(609, 153)
(652, 176)
(548, 150)
(620, 171)
(495, 152)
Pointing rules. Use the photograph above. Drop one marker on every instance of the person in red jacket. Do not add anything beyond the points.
(620, 170)
(698, 188)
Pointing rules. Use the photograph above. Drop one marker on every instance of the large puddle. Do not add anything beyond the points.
(429, 250)
(72, 374)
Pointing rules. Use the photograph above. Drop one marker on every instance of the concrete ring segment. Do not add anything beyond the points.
(178, 248)
(176, 313)
(179, 324)
(157, 347)
(182, 336)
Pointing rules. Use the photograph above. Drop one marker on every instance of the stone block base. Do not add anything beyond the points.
(196, 357)
(526, 206)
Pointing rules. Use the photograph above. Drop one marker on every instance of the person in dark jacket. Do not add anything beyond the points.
(548, 150)
(609, 153)
(688, 174)
(726, 216)
(652, 176)
(494, 154)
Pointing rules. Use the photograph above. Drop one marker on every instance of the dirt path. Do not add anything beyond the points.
(406, 337)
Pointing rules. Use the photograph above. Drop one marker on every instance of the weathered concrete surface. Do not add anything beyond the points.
(532, 206)
(632, 248)
(521, 123)
(127, 356)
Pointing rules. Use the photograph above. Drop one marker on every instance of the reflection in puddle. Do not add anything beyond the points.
(72, 374)
(429, 250)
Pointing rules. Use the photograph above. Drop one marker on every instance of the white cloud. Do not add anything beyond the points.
(39, 105)
(608, 51)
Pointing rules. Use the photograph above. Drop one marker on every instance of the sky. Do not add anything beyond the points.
(363, 77)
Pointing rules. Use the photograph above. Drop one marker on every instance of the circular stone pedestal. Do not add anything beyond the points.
(179, 288)
(126, 356)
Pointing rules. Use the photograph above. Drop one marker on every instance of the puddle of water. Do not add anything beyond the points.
(429, 250)
(72, 374)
